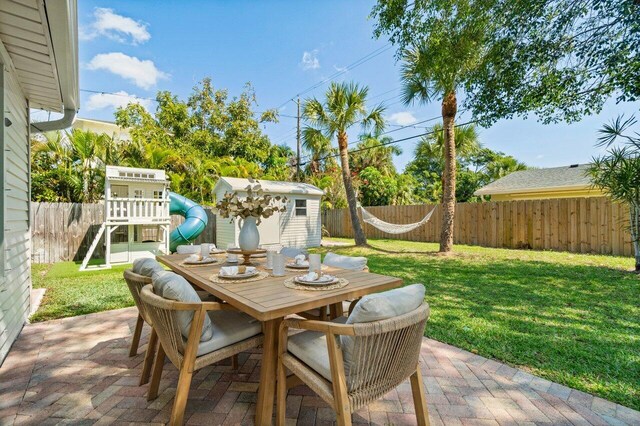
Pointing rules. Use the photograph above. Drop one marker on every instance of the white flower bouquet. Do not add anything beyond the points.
(256, 204)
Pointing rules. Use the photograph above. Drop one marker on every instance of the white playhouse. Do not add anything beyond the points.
(136, 218)
(299, 226)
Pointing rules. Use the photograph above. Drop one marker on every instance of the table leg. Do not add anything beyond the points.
(268, 370)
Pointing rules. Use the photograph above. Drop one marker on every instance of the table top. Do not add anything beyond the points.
(269, 299)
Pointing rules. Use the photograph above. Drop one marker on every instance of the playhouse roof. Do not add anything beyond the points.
(270, 186)
(135, 174)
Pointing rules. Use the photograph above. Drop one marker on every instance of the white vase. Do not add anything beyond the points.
(249, 238)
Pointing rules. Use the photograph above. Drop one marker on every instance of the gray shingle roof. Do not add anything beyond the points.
(567, 177)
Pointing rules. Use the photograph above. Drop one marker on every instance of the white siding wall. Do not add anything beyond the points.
(16, 272)
(301, 231)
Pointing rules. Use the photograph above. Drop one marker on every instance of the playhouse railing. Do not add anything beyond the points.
(141, 210)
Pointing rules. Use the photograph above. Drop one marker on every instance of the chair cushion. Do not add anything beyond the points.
(388, 304)
(292, 252)
(188, 249)
(378, 307)
(345, 262)
(310, 347)
(229, 327)
(174, 287)
(146, 266)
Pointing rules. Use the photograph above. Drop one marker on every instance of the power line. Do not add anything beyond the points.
(99, 92)
(353, 151)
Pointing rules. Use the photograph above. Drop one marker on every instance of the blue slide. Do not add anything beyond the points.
(193, 225)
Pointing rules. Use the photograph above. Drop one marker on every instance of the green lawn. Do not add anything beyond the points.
(573, 319)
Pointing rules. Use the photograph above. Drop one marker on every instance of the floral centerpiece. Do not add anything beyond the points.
(251, 209)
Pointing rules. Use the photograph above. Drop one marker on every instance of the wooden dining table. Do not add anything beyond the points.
(269, 301)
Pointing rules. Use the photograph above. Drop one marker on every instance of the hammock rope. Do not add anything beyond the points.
(393, 228)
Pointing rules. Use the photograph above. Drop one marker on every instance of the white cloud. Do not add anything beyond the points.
(340, 69)
(310, 60)
(114, 100)
(117, 27)
(403, 118)
(143, 73)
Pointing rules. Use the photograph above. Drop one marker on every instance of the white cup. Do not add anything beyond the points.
(270, 254)
(315, 264)
(231, 257)
(204, 250)
(278, 265)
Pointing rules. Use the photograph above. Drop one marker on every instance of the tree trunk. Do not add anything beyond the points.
(358, 232)
(449, 110)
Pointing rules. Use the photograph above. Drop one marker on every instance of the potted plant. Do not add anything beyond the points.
(251, 209)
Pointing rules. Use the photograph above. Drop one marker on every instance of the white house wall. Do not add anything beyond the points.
(301, 231)
(16, 272)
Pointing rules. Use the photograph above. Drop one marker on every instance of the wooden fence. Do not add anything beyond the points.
(578, 225)
(64, 231)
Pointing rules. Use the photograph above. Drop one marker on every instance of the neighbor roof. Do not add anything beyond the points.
(271, 186)
(532, 180)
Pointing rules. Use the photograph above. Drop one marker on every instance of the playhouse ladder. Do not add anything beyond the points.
(93, 246)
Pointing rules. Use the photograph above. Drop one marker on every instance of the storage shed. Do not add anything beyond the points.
(299, 226)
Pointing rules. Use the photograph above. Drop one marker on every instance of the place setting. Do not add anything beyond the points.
(200, 259)
(240, 273)
(315, 281)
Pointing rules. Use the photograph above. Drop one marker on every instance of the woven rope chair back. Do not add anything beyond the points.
(163, 315)
(385, 353)
(135, 282)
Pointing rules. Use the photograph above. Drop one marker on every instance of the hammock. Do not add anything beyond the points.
(392, 228)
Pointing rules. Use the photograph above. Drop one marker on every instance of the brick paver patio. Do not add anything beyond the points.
(77, 371)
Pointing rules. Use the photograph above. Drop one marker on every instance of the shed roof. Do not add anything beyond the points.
(271, 186)
(534, 180)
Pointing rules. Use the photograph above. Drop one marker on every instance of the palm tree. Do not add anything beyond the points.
(319, 147)
(375, 150)
(344, 106)
(427, 75)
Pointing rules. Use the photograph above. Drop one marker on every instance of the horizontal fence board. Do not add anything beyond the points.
(577, 225)
(64, 231)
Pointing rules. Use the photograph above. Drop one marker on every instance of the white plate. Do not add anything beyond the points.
(232, 261)
(296, 266)
(239, 276)
(206, 261)
(299, 280)
(217, 251)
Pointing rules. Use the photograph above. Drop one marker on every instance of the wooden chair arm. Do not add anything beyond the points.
(217, 306)
(321, 326)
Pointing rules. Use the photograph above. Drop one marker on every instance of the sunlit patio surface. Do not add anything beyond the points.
(77, 371)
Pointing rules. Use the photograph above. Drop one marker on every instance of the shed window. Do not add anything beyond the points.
(158, 195)
(138, 193)
(301, 207)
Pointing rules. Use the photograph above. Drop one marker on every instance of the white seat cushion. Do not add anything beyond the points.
(229, 327)
(310, 347)
(188, 249)
(174, 287)
(345, 262)
(292, 252)
(146, 266)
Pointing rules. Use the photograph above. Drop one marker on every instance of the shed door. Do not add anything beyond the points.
(270, 230)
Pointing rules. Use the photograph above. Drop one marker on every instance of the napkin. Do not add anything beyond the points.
(229, 271)
(313, 276)
(300, 260)
(194, 258)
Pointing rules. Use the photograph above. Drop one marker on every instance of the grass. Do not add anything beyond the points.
(573, 319)
(71, 292)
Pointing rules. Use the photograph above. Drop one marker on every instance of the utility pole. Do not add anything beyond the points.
(298, 140)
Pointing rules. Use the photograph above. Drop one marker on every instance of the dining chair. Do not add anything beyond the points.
(352, 364)
(292, 252)
(231, 332)
(136, 278)
(352, 263)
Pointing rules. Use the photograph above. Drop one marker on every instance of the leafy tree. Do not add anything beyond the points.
(320, 150)
(617, 173)
(377, 189)
(343, 107)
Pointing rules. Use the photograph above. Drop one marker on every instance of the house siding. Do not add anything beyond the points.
(16, 271)
(301, 231)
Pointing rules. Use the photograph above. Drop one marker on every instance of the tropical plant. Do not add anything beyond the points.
(320, 150)
(256, 204)
(617, 173)
(375, 150)
(344, 106)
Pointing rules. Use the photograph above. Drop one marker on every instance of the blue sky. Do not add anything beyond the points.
(282, 48)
